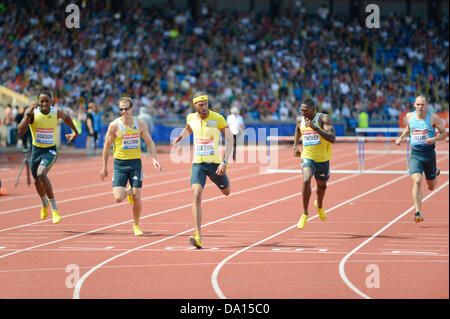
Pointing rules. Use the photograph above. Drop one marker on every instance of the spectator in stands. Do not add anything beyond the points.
(26, 137)
(363, 121)
(147, 118)
(346, 115)
(331, 56)
(92, 134)
(236, 124)
(326, 106)
(10, 129)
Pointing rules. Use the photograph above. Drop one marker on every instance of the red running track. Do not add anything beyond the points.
(369, 246)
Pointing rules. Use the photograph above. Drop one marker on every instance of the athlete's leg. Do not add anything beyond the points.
(321, 175)
(39, 187)
(42, 172)
(306, 188)
(432, 183)
(431, 172)
(416, 191)
(321, 187)
(120, 193)
(44, 181)
(197, 190)
(137, 204)
(221, 181)
(34, 165)
(44, 199)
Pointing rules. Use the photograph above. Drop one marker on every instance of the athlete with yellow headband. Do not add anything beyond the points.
(125, 133)
(317, 135)
(206, 126)
(42, 118)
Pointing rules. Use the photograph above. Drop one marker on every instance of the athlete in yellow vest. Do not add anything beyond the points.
(124, 134)
(317, 135)
(42, 118)
(206, 126)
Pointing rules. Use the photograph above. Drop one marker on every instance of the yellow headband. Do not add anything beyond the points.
(200, 98)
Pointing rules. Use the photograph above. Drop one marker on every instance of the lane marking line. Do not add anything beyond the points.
(76, 293)
(346, 257)
(215, 274)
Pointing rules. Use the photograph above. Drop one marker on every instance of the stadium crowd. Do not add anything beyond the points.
(261, 64)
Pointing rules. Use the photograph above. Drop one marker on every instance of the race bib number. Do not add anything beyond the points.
(212, 123)
(130, 141)
(45, 135)
(419, 137)
(310, 138)
(204, 147)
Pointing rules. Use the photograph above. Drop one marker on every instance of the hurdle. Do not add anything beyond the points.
(360, 142)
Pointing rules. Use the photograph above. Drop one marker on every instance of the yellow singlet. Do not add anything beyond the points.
(127, 144)
(43, 128)
(315, 147)
(206, 136)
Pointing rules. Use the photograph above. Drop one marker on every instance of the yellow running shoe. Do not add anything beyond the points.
(137, 231)
(195, 241)
(130, 197)
(55, 216)
(320, 211)
(302, 221)
(44, 211)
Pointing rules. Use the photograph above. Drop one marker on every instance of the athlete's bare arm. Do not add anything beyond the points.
(297, 136)
(327, 131)
(438, 123)
(405, 131)
(109, 139)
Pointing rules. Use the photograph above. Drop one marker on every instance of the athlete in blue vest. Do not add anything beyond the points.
(421, 130)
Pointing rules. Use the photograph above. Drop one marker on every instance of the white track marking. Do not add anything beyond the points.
(76, 293)
(123, 203)
(79, 284)
(152, 197)
(343, 261)
(143, 217)
(109, 192)
(215, 274)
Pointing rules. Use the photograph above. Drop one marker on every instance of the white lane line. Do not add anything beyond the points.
(109, 192)
(216, 271)
(105, 184)
(146, 216)
(66, 169)
(145, 198)
(346, 257)
(76, 293)
(126, 203)
(421, 234)
(414, 252)
(198, 264)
